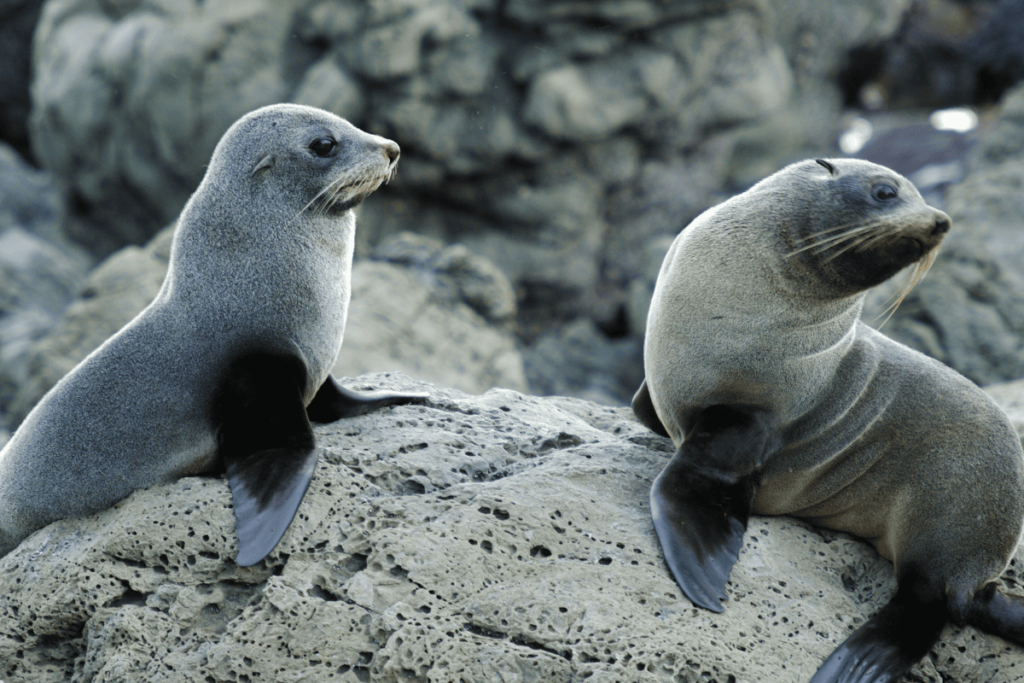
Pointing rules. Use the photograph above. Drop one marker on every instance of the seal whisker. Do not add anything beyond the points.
(834, 240)
(921, 269)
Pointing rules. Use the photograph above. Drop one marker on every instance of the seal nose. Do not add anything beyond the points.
(941, 226)
(392, 151)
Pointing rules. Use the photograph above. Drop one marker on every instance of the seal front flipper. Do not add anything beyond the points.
(700, 503)
(267, 446)
(890, 642)
(333, 401)
(643, 408)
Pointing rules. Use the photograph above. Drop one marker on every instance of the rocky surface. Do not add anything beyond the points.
(439, 313)
(40, 270)
(478, 538)
(547, 136)
(969, 310)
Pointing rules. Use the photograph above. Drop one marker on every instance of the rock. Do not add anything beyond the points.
(544, 136)
(578, 360)
(31, 200)
(473, 538)
(447, 317)
(113, 293)
(36, 282)
(17, 22)
(969, 310)
(438, 313)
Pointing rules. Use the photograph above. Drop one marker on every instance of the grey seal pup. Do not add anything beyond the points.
(781, 401)
(228, 365)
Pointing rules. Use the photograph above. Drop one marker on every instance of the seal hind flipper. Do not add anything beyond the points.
(333, 401)
(644, 410)
(996, 612)
(892, 641)
(267, 446)
(701, 501)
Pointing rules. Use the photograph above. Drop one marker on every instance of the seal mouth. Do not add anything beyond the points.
(348, 192)
(917, 245)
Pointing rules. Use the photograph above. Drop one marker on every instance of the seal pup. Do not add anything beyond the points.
(781, 401)
(228, 365)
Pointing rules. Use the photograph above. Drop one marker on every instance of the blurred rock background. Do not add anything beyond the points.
(550, 151)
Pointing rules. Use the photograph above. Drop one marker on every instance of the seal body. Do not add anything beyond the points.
(219, 369)
(781, 401)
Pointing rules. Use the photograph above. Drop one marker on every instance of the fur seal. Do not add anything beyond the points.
(781, 401)
(228, 365)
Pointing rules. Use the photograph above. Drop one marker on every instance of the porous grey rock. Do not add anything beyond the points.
(969, 310)
(476, 538)
(448, 318)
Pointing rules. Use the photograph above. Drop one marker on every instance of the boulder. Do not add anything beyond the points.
(476, 538)
(545, 136)
(445, 317)
(40, 270)
(969, 310)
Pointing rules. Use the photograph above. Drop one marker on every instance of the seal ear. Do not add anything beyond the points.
(264, 163)
(831, 169)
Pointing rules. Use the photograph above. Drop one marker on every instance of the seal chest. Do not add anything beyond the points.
(228, 365)
(781, 401)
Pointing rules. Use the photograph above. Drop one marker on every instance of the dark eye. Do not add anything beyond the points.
(322, 147)
(883, 192)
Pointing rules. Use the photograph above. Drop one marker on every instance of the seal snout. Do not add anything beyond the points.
(392, 151)
(941, 225)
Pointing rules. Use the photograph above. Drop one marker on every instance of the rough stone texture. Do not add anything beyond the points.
(476, 538)
(443, 318)
(969, 311)
(547, 136)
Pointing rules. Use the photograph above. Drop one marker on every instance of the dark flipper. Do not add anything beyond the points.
(333, 401)
(701, 501)
(643, 408)
(997, 613)
(267, 446)
(890, 642)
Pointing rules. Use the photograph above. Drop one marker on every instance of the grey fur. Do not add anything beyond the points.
(875, 439)
(255, 262)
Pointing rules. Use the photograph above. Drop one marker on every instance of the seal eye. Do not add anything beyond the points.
(322, 147)
(883, 192)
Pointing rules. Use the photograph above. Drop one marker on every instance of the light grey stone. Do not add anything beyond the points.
(477, 538)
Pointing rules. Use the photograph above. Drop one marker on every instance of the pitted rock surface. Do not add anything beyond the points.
(476, 538)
